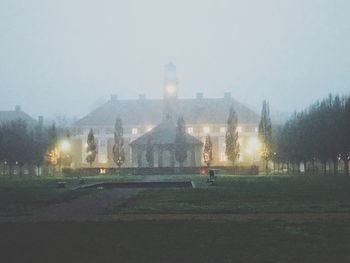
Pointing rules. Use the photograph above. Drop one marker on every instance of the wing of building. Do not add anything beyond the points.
(16, 114)
(202, 116)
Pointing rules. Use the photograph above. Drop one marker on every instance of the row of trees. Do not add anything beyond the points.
(318, 135)
(231, 141)
(118, 147)
(22, 145)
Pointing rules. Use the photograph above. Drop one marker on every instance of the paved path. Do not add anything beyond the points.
(87, 207)
(229, 217)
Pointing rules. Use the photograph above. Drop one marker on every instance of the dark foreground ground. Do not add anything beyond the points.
(239, 219)
(176, 241)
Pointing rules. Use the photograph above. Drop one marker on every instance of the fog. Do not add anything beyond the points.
(67, 57)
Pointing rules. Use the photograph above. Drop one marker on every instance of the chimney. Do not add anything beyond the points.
(17, 108)
(114, 97)
(142, 96)
(199, 95)
(227, 95)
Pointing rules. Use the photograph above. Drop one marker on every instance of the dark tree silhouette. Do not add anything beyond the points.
(208, 150)
(180, 142)
(149, 152)
(91, 148)
(317, 137)
(231, 139)
(265, 133)
(118, 147)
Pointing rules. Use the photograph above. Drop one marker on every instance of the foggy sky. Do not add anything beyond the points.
(68, 56)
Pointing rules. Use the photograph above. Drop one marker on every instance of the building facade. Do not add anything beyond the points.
(202, 116)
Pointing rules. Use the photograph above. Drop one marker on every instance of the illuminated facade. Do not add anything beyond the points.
(202, 116)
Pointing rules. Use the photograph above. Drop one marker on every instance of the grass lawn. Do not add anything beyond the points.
(176, 241)
(249, 194)
(22, 194)
(307, 240)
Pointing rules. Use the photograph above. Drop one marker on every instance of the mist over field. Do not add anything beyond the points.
(67, 57)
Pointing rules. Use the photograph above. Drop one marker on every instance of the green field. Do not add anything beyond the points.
(304, 239)
(249, 194)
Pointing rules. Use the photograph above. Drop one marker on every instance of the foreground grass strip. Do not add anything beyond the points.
(177, 241)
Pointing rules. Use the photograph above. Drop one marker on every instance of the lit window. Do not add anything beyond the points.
(223, 157)
(239, 129)
(222, 129)
(256, 129)
(134, 131)
(190, 130)
(149, 128)
(206, 129)
(102, 158)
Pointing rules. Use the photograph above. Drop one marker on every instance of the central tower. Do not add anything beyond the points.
(170, 85)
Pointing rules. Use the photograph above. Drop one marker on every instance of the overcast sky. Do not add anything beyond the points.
(68, 56)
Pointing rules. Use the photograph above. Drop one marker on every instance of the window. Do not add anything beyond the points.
(222, 129)
(134, 131)
(206, 129)
(256, 129)
(239, 129)
(223, 157)
(190, 130)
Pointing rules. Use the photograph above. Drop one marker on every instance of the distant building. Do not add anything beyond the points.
(17, 114)
(202, 116)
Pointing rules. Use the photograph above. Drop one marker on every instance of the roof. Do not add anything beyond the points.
(146, 112)
(163, 134)
(7, 116)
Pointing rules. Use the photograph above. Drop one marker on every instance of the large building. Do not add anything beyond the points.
(202, 116)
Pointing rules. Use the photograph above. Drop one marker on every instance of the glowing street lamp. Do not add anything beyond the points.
(253, 147)
(170, 89)
(65, 146)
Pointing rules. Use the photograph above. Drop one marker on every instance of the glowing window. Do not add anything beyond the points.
(239, 129)
(134, 131)
(190, 130)
(206, 129)
(102, 158)
(256, 129)
(253, 146)
(222, 129)
(223, 157)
